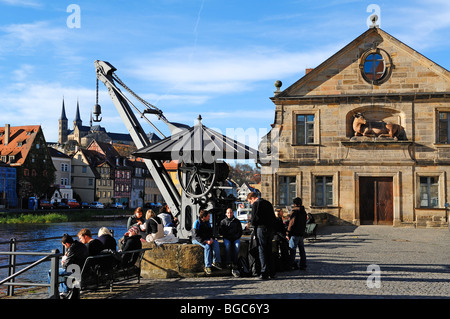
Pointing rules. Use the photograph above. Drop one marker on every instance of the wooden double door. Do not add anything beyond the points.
(376, 200)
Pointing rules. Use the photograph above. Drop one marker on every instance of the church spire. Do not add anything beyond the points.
(63, 111)
(62, 131)
(77, 121)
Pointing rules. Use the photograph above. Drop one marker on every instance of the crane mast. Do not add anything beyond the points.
(105, 74)
(203, 179)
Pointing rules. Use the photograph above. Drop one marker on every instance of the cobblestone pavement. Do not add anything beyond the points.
(342, 263)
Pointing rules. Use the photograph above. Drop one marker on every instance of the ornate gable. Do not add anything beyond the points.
(373, 63)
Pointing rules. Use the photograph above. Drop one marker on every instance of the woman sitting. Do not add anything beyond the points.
(153, 226)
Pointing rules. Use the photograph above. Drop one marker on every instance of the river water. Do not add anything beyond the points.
(39, 231)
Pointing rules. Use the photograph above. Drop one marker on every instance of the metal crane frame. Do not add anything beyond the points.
(105, 73)
(185, 206)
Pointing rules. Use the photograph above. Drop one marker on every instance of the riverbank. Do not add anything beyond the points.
(61, 216)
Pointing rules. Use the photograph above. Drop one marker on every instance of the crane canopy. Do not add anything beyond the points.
(197, 144)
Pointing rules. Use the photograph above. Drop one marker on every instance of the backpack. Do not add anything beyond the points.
(250, 265)
(243, 267)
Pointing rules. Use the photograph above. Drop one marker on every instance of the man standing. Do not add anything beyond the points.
(263, 221)
(295, 233)
(202, 234)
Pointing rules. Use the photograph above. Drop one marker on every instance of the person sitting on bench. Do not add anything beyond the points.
(76, 254)
(94, 246)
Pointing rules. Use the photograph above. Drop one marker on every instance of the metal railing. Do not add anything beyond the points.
(53, 257)
(12, 264)
(12, 274)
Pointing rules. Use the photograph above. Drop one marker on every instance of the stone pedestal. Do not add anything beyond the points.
(179, 260)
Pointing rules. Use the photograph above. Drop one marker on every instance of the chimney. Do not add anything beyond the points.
(6, 134)
(308, 70)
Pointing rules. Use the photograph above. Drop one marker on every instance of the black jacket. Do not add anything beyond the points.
(201, 231)
(76, 254)
(131, 243)
(108, 242)
(280, 228)
(94, 247)
(297, 222)
(263, 214)
(230, 229)
(151, 225)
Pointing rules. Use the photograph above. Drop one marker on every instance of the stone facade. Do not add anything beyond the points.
(401, 180)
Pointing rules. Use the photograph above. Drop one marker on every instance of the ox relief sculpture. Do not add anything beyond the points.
(363, 127)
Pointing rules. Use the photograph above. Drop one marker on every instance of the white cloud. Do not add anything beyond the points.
(23, 72)
(420, 26)
(40, 104)
(218, 71)
(175, 99)
(22, 3)
(25, 39)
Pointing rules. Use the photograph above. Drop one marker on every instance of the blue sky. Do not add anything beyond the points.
(217, 58)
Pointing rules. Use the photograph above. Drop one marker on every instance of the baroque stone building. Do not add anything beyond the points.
(365, 136)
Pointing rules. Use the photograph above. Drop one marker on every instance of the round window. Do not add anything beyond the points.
(375, 66)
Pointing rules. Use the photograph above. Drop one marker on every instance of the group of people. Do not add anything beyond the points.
(231, 230)
(76, 251)
(267, 225)
(153, 227)
(139, 229)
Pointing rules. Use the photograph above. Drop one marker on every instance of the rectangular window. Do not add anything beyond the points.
(429, 192)
(444, 128)
(288, 189)
(305, 129)
(324, 190)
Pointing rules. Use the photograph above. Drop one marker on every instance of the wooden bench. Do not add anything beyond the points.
(106, 269)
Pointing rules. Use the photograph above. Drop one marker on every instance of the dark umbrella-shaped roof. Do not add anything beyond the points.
(197, 144)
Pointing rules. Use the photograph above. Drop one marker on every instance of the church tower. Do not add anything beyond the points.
(77, 121)
(63, 130)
